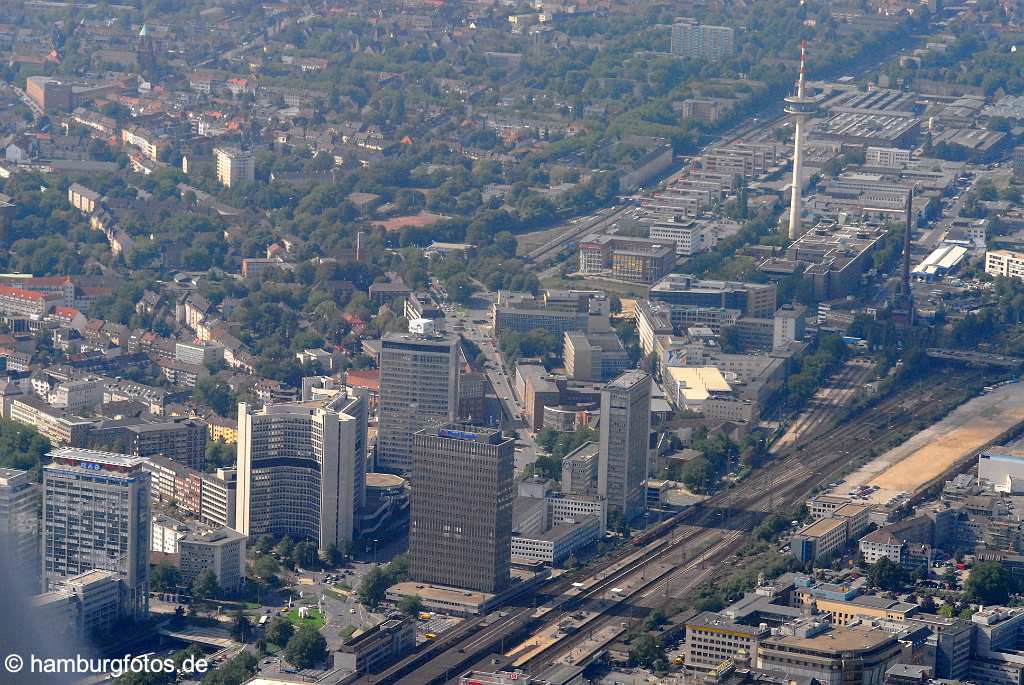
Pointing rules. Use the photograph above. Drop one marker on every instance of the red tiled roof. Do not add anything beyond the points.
(6, 291)
(66, 312)
(369, 378)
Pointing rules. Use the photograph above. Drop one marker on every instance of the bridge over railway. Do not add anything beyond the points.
(975, 358)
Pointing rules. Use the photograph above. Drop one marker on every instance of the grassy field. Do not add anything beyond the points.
(335, 594)
(314, 619)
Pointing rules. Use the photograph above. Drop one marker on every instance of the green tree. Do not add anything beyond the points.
(235, 671)
(265, 567)
(164, 577)
(21, 446)
(887, 574)
(306, 554)
(333, 556)
(646, 650)
(219, 454)
(284, 548)
(654, 620)
(215, 394)
(264, 544)
(205, 585)
(988, 583)
(373, 587)
(280, 631)
(241, 628)
(410, 605)
(306, 648)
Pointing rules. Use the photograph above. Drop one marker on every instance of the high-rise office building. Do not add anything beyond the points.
(418, 386)
(179, 438)
(625, 438)
(460, 533)
(302, 469)
(698, 41)
(19, 526)
(96, 516)
(234, 166)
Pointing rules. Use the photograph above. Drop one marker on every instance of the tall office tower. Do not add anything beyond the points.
(302, 469)
(625, 437)
(96, 516)
(19, 527)
(460, 533)
(699, 41)
(234, 166)
(800, 108)
(418, 386)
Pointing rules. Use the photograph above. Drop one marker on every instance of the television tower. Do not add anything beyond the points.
(800, 108)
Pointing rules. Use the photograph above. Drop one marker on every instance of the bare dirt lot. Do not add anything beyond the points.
(936, 449)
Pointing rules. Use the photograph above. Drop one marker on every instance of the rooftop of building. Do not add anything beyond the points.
(850, 510)
(709, 620)
(93, 460)
(383, 480)
(466, 433)
(1003, 454)
(821, 527)
(689, 282)
(435, 593)
(832, 499)
(436, 339)
(222, 535)
(837, 639)
(698, 383)
(628, 379)
(11, 476)
(557, 532)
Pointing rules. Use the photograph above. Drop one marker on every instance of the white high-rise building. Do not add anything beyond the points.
(700, 41)
(625, 438)
(19, 526)
(96, 516)
(234, 166)
(1004, 263)
(302, 469)
(418, 386)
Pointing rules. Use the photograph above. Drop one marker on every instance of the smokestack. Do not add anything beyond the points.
(359, 246)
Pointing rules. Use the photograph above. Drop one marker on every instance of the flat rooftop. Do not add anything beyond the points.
(436, 593)
(835, 640)
(84, 457)
(821, 527)
(383, 480)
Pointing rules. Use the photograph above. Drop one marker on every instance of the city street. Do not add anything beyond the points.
(475, 319)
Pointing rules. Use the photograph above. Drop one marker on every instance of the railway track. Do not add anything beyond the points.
(691, 550)
(781, 484)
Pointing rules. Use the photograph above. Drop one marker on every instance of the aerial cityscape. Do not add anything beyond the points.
(512, 342)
